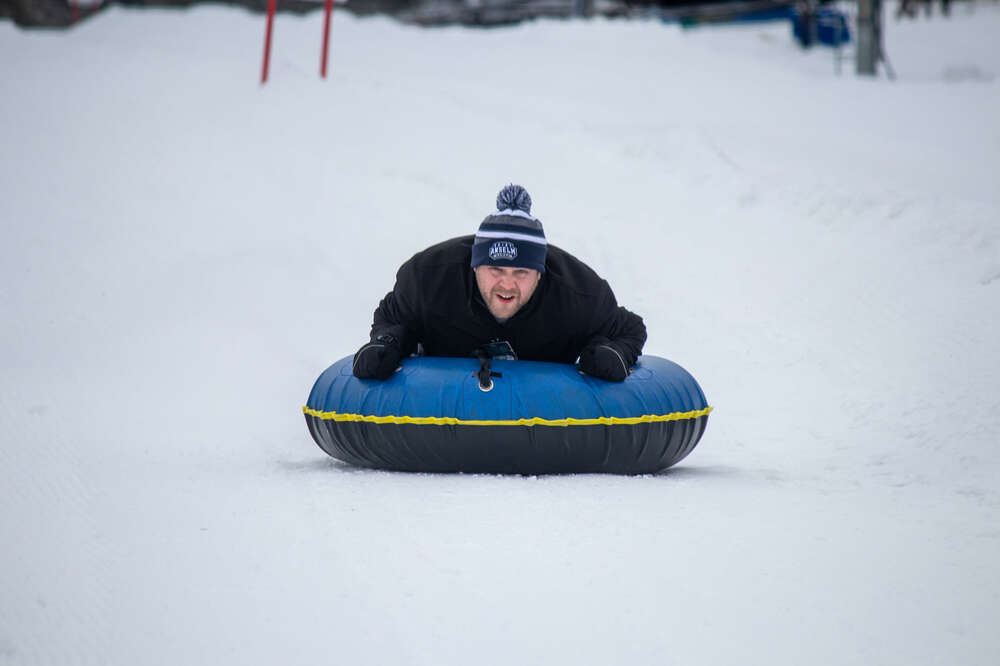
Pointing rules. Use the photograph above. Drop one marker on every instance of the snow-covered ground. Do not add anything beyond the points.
(183, 251)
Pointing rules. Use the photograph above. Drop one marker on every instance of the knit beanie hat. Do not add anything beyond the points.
(511, 236)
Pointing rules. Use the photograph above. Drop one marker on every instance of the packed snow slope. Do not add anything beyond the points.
(183, 251)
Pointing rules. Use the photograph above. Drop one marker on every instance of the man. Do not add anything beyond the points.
(504, 293)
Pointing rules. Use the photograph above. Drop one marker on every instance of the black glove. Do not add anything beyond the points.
(601, 359)
(378, 359)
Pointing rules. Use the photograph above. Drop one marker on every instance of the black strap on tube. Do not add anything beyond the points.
(485, 374)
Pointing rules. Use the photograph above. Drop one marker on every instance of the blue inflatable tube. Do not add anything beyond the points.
(538, 418)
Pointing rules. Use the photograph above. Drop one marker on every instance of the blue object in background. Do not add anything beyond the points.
(826, 26)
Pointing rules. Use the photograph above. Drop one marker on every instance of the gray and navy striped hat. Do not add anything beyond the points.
(511, 236)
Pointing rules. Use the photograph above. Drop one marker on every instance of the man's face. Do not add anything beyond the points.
(506, 290)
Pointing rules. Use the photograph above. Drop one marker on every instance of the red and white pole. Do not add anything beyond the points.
(271, 5)
(328, 10)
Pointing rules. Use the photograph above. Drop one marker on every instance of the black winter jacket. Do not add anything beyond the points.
(436, 303)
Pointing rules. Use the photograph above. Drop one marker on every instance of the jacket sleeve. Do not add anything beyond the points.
(398, 313)
(621, 328)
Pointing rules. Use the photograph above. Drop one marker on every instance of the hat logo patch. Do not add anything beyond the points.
(503, 249)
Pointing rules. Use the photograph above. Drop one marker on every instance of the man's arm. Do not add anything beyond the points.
(394, 334)
(395, 319)
(615, 342)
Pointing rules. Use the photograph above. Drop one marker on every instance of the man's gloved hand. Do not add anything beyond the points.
(378, 359)
(601, 359)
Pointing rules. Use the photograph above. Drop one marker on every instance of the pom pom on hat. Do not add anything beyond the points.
(514, 197)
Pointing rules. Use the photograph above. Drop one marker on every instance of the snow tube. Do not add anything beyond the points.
(435, 415)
